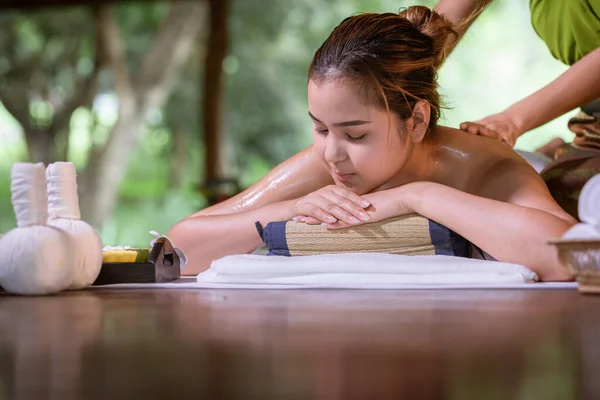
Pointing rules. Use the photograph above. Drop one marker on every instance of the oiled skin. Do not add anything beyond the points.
(299, 175)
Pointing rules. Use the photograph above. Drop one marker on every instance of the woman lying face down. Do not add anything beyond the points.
(379, 153)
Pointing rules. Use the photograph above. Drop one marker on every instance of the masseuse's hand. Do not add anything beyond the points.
(333, 206)
(498, 126)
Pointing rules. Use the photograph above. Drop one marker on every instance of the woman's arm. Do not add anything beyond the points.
(229, 227)
(207, 238)
(576, 87)
(301, 174)
(509, 232)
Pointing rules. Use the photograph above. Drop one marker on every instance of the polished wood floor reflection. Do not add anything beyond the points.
(301, 344)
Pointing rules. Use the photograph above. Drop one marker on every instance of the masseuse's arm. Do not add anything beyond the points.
(516, 231)
(576, 87)
(299, 175)
(461, 13)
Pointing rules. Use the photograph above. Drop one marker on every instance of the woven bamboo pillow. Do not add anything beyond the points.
(408, 235)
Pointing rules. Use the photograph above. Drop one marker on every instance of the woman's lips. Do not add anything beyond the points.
(343, 177)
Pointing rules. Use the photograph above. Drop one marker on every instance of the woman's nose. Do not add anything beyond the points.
(334, 151)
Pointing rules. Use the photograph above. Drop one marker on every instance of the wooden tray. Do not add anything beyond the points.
(163, 266)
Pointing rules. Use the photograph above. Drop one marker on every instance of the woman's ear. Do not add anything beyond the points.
(418, 123)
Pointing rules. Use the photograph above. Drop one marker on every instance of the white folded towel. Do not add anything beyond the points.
(362, 269)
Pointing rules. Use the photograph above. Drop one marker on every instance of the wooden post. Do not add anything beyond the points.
(213, 97)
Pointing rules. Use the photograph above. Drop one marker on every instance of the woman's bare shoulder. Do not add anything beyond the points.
(478, 159)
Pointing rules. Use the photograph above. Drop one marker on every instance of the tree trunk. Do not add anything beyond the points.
(40, 145)
(106, 169)
(148, 88)
(61, 145)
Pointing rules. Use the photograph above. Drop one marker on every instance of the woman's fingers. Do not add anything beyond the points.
(343, 209)
(338, 225)
(311, 221)
(338, 212)
(327, 212)
(346, 208)
(335, 225)
(351, 196)
(316, 209)
(331, 205)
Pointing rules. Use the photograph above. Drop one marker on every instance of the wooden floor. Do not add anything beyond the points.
(301, 344)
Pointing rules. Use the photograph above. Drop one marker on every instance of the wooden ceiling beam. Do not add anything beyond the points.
(37, 4)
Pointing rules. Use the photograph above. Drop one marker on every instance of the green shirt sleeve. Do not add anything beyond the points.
(570, 28)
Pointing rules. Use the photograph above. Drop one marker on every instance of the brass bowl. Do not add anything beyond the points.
(582, 258)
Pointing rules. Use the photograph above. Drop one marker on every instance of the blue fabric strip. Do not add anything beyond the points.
(273, 235)
(447, 242)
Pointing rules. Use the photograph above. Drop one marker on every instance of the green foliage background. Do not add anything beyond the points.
(499, 61)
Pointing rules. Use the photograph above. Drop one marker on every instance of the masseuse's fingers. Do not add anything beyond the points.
(495, 134)
(476, 129)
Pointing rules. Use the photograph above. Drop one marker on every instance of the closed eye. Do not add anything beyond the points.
(355, 139)
(350, 138)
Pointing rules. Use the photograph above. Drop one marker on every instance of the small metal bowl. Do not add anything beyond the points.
(582, 258)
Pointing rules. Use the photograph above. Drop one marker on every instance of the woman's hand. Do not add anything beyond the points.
(498, 126)
(383, 205)
(331, 205)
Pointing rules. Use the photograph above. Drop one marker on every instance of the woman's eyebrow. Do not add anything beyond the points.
(355, 122)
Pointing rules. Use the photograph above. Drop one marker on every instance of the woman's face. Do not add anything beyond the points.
(360, 144)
